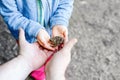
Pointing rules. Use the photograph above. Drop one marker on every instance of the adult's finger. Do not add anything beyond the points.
(70, 44)
(22, 39)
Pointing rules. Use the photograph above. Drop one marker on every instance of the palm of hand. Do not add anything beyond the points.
(34, 54)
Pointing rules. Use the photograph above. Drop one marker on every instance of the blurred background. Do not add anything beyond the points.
(96, 56)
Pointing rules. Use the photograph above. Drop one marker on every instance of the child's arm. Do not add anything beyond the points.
(15, 20)
(62, 14)
(60, 20)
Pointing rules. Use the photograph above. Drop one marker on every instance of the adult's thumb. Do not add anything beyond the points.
(70, 44)
(22, 39)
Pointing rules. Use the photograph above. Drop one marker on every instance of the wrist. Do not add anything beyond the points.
(54, 75)
(40, 32)
(57, 76)
(55, 26)
(25, 63)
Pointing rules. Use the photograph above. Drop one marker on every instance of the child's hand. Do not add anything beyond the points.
(43, 39)
(61, 31)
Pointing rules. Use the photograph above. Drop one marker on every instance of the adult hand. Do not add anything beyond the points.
(56, 67)
(60, 30)
(31, 57)
(43, 39)
(33, 54)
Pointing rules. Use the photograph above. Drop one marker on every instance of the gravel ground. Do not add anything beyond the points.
(96, 56)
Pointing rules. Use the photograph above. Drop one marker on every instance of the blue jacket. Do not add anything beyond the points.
(23, 13)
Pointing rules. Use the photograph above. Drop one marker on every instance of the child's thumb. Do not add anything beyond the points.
(21, 36)
(70, 44)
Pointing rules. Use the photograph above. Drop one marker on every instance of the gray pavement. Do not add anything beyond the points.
(96, 24)
(96, 56)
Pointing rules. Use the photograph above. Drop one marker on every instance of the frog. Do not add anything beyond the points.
(56, 41)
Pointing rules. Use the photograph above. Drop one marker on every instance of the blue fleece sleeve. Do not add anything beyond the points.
(62, 14)
(15, 20)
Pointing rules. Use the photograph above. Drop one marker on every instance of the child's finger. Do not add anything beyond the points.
(41, 43)
(47, 46)
(65, 34)
(66, 39)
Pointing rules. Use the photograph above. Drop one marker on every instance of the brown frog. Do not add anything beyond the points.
(56, 41)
